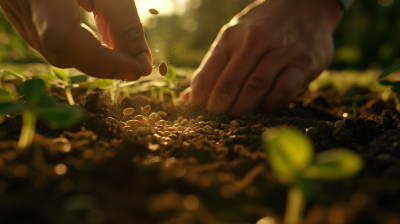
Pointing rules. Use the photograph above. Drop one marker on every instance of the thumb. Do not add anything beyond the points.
(121, 23)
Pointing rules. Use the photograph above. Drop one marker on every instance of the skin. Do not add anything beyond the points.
(53, 28)
(265, 55)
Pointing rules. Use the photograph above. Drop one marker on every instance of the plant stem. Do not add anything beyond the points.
(112, 94)
(173, 96)
(354, 110)
(294, 207)
(161, 95)
(69, 96)
(28, 129)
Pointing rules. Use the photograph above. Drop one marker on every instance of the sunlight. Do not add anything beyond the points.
(164, 7)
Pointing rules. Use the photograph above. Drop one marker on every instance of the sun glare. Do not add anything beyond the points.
(164, 7)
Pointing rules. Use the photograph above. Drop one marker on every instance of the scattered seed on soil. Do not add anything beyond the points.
(121, 124)
(184, 122)
(143, 131)
(163, 68)
(235, 124)
(153, 11)
(133, 123)
(139, 117)
(146, 109)
(161, 122)
(225, 126)
(153, 116)
(128, 111)
(200, 118)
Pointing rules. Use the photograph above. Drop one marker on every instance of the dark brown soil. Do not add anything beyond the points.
(114, 178)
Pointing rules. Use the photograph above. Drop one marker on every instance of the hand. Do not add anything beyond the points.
(264, 56)
(53, 27)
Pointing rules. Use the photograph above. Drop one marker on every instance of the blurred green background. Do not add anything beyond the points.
(368, 36)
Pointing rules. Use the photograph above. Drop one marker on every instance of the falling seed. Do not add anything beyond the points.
(146, 109)
(153, 11)
(163, 68)
(128, 111)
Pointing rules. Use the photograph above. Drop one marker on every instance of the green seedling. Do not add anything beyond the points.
(171, 77)
(291, 157)
(68, 82)
(7, 73)
(354, 102)
(396, 85)
(37, 104)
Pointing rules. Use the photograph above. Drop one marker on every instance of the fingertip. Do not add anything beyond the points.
(144, 61)
(185, 94)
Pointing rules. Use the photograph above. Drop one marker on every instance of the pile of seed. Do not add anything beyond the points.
(154, 125)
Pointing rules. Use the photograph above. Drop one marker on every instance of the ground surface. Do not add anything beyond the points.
(115, 176)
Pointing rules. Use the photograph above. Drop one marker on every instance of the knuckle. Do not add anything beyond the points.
(257, 83)
(132, 32)
(223, 86)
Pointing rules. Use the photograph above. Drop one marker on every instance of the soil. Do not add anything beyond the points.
(114, 176)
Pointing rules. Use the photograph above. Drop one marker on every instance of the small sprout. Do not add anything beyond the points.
(39, 104)
(290, 155)
(235, 124)
(153, 11)
(68, 82)
(146, 109)
(163, 68)
(128, 111)
(225, 126)
(389, 70)
(354, 102)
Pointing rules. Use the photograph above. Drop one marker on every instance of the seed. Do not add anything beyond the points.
(146, 109)
(171, 129)
(153, 116)
(208, 128)
(139, 117)
(162, 114)
(184, 122)
(163, 68)
(161, 123)
(180, 129)
(143, 122)
(169, 123)
(192, 121)
(166, 133)
(128, 111)
(235, 124)
(143, 131)
(180, 119)
(154, 130)
(225, 126)
(121, 124)
(216, 132)
(151, 122)
(133, 123)
(221, 133)
(153, 11)
(112, 120)
(200, 118)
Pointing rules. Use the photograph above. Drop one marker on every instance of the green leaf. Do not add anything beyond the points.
(12, 107)
(171, 74)
(32, 90)
(5, 96)
(46, 101)
(105, 83)
(349, 97)
(396, 90)
(360, 98)
(334, 164)
(62, 117)
(389, 70)
(306, 185)
(78, 78)
(61, 74)
(11, 73)
(289, 151)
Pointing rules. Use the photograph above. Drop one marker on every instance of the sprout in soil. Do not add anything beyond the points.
(171, 77)
(38, 104)
(396, 85)
(7, 73)
(354, 102)
(290, 155)
(68, 82)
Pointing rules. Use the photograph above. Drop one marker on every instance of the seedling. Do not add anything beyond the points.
(68, 82)
(171, 77)
(396, 85)
(354, 102)
(5, 73)
(291, 157)
(38, 104)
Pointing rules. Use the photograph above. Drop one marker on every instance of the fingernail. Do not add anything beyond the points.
(144, 62)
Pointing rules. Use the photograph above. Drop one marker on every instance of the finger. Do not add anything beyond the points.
(58, 26)
(257, 86)
(87, 5)
(125, 29)
(285, 89)
(207, 74)
(20, 15)
(185, 94)
(234, 77)
(102, 29)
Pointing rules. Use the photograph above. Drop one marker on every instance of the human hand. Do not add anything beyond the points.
(53, 27)
(264, 56)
